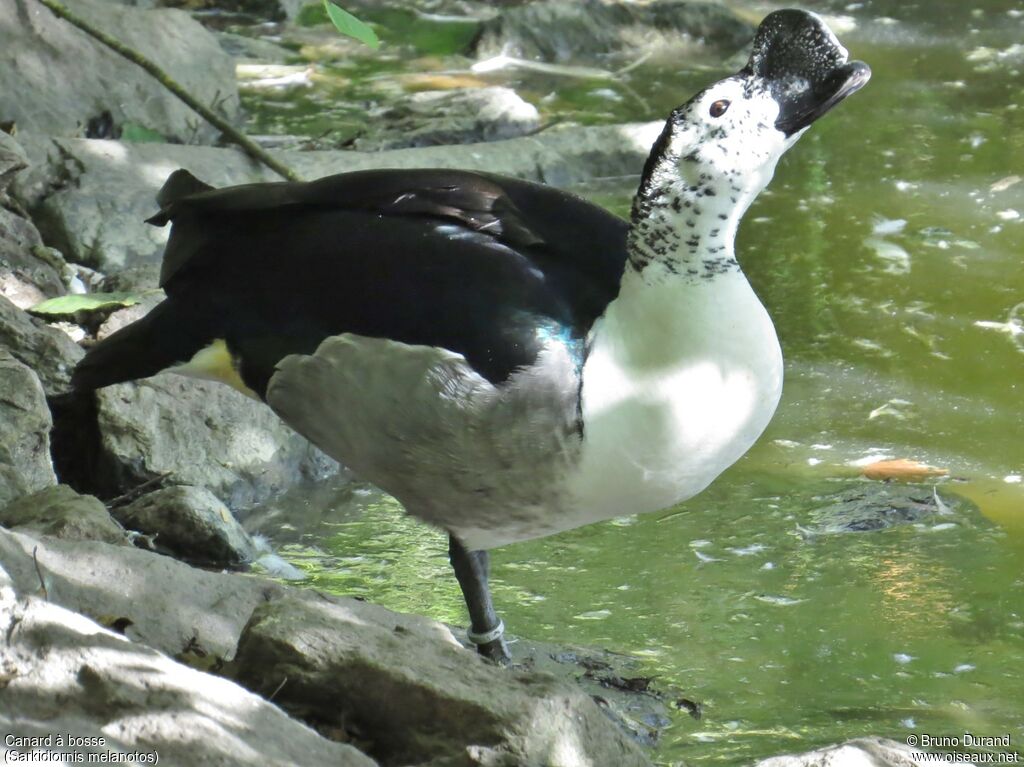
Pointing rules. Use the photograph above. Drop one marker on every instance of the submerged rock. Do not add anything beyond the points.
(25, 423)
(432, 118)
(191, 524)
(58, 80)
(592, 30)
(871, 506)
(60, 512)
(416, 696)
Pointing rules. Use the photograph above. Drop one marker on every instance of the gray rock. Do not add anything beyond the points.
(433, 118)
(90, 198)
(25, 464)
(275, 10)
(12, 160)
(191, 524)
(253, 49)
(200, 433)
(60, 512)
(143, 4)
(860, 752)
(404, 679)
(165, 604)
(464, 9)
(355, 668)
(123, 317)
(29, 272)
(62, 673)
(614, 681)
(592, 30)
(49, 352)
(56, 79)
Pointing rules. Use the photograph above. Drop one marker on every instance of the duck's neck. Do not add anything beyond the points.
(684, 222)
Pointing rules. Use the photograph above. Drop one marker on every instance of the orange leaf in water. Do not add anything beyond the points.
(901, 468)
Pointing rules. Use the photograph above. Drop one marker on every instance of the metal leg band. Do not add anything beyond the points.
(487, 636)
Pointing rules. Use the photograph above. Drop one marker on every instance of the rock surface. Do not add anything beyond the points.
(191, 524)
(160, 602)
(592, 30)
(12, 161)
(29, 272)
(123, 317)
(253, 49)
(614, 681)
(60, 512)
(408, 687)
(200, 433)
(275, 10)
(90, 198)
(24, 432)
(65, 674)
(431, 118)
(356, 668)
(47, 351)
(861, 752)
(56, 79)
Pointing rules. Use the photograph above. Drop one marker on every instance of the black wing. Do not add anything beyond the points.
(485, 266)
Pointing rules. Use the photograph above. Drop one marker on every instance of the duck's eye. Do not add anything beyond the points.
(719, 107)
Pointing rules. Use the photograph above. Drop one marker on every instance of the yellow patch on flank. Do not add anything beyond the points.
(215, 363)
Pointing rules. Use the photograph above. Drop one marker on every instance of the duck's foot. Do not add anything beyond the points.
(492, 644)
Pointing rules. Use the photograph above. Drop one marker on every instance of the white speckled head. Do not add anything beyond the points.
(740, 126)
(728, 130)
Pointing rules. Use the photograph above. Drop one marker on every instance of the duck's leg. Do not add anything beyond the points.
(486, 629)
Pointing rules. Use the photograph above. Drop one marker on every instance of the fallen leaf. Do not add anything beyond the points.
(420, 81)
(65, 307)
(901, 468)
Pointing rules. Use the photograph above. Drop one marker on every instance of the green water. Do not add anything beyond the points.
(792, 643)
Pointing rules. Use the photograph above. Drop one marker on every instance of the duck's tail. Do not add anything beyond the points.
(165, 337)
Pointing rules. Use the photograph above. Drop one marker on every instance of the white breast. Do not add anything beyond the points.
(679, 383)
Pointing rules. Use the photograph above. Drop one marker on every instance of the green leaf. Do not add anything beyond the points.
(140, 134)
(70, 305)
(349, 25)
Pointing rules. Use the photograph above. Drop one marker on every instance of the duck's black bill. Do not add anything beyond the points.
(803, 66)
